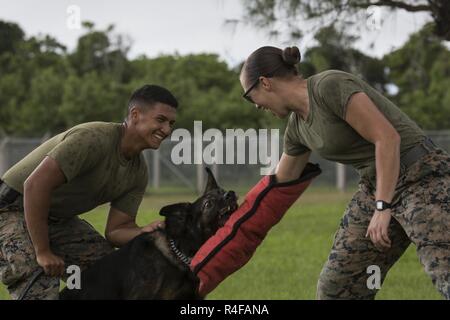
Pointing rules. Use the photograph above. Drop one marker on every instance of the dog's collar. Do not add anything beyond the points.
(180, 255)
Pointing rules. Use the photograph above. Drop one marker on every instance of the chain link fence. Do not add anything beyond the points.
(164, 174)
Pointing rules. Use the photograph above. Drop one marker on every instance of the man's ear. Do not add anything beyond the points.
(133, 114)
(175, 209)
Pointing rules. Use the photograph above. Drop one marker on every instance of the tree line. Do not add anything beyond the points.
(44, 88)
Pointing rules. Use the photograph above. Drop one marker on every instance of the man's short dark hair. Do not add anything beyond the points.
(150, 94)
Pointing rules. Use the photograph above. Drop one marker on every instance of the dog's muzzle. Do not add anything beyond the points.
(231, 206)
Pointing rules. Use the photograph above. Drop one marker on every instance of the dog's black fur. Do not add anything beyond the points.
(147, 267)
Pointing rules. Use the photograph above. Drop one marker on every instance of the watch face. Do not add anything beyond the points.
(379, 205)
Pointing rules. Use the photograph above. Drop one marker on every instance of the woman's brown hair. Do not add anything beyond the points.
(271, 62)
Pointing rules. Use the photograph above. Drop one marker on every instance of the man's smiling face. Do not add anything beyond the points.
(155, 124)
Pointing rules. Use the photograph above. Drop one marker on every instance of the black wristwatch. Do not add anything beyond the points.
(382, 205)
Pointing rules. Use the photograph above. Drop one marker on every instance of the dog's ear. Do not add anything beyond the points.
(211, 184)
(174, 209)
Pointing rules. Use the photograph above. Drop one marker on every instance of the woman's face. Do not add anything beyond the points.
(264, 94)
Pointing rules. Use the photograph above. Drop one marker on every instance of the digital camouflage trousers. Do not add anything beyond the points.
(74, 240)
(420, 214)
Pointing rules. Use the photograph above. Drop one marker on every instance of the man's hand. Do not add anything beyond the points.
(52, 264)
(153, 226)
(121, 227)
(378, 229)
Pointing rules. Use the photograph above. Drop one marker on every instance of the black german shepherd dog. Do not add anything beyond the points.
(155, 265)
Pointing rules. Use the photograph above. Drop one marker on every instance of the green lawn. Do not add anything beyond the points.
(288, 263)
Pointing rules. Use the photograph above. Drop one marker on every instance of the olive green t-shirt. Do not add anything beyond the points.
(96, 172)
(326, 132)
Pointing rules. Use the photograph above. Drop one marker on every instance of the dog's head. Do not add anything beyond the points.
(195, 222)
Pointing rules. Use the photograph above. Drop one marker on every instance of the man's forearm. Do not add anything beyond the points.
(387, 155)
(36, 206)
(121, 236)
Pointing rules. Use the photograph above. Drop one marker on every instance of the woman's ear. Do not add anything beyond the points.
(265, 83)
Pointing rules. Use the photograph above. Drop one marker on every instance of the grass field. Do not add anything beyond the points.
(288, 263)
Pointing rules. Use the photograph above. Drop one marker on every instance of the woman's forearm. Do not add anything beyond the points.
(387, 154)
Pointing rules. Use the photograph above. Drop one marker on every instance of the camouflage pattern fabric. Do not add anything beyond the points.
(420, 214)
(73, 239)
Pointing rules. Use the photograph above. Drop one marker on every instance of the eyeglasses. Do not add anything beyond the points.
(246, 96)
(253, 86)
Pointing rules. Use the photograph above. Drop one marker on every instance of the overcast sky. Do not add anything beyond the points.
(168, 26)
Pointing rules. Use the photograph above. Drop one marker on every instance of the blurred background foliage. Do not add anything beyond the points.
(44, 88)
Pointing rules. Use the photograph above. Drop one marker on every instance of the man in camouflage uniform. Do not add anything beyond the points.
(72, 173)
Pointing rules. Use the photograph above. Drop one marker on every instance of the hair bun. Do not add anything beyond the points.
(291, 55)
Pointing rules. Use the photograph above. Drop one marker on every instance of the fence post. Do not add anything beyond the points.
(198, 161)
(3, 157)
(340, 177)
(200, 178)
(156, 169)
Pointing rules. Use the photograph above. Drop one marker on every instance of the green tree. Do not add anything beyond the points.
(421, 71)
(207, 90)
(32, 72)
(101, 52)
(267, 13)
(11, 35)
(39, 112)
(92, 97)
(334, 51)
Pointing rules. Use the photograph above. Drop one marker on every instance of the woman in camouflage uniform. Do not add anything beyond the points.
(404, 191)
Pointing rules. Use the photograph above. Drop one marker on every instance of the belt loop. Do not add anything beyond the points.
(431, 143)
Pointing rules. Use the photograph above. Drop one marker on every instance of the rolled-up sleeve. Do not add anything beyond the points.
(130, 201)
(79, 151)
(335, 90)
